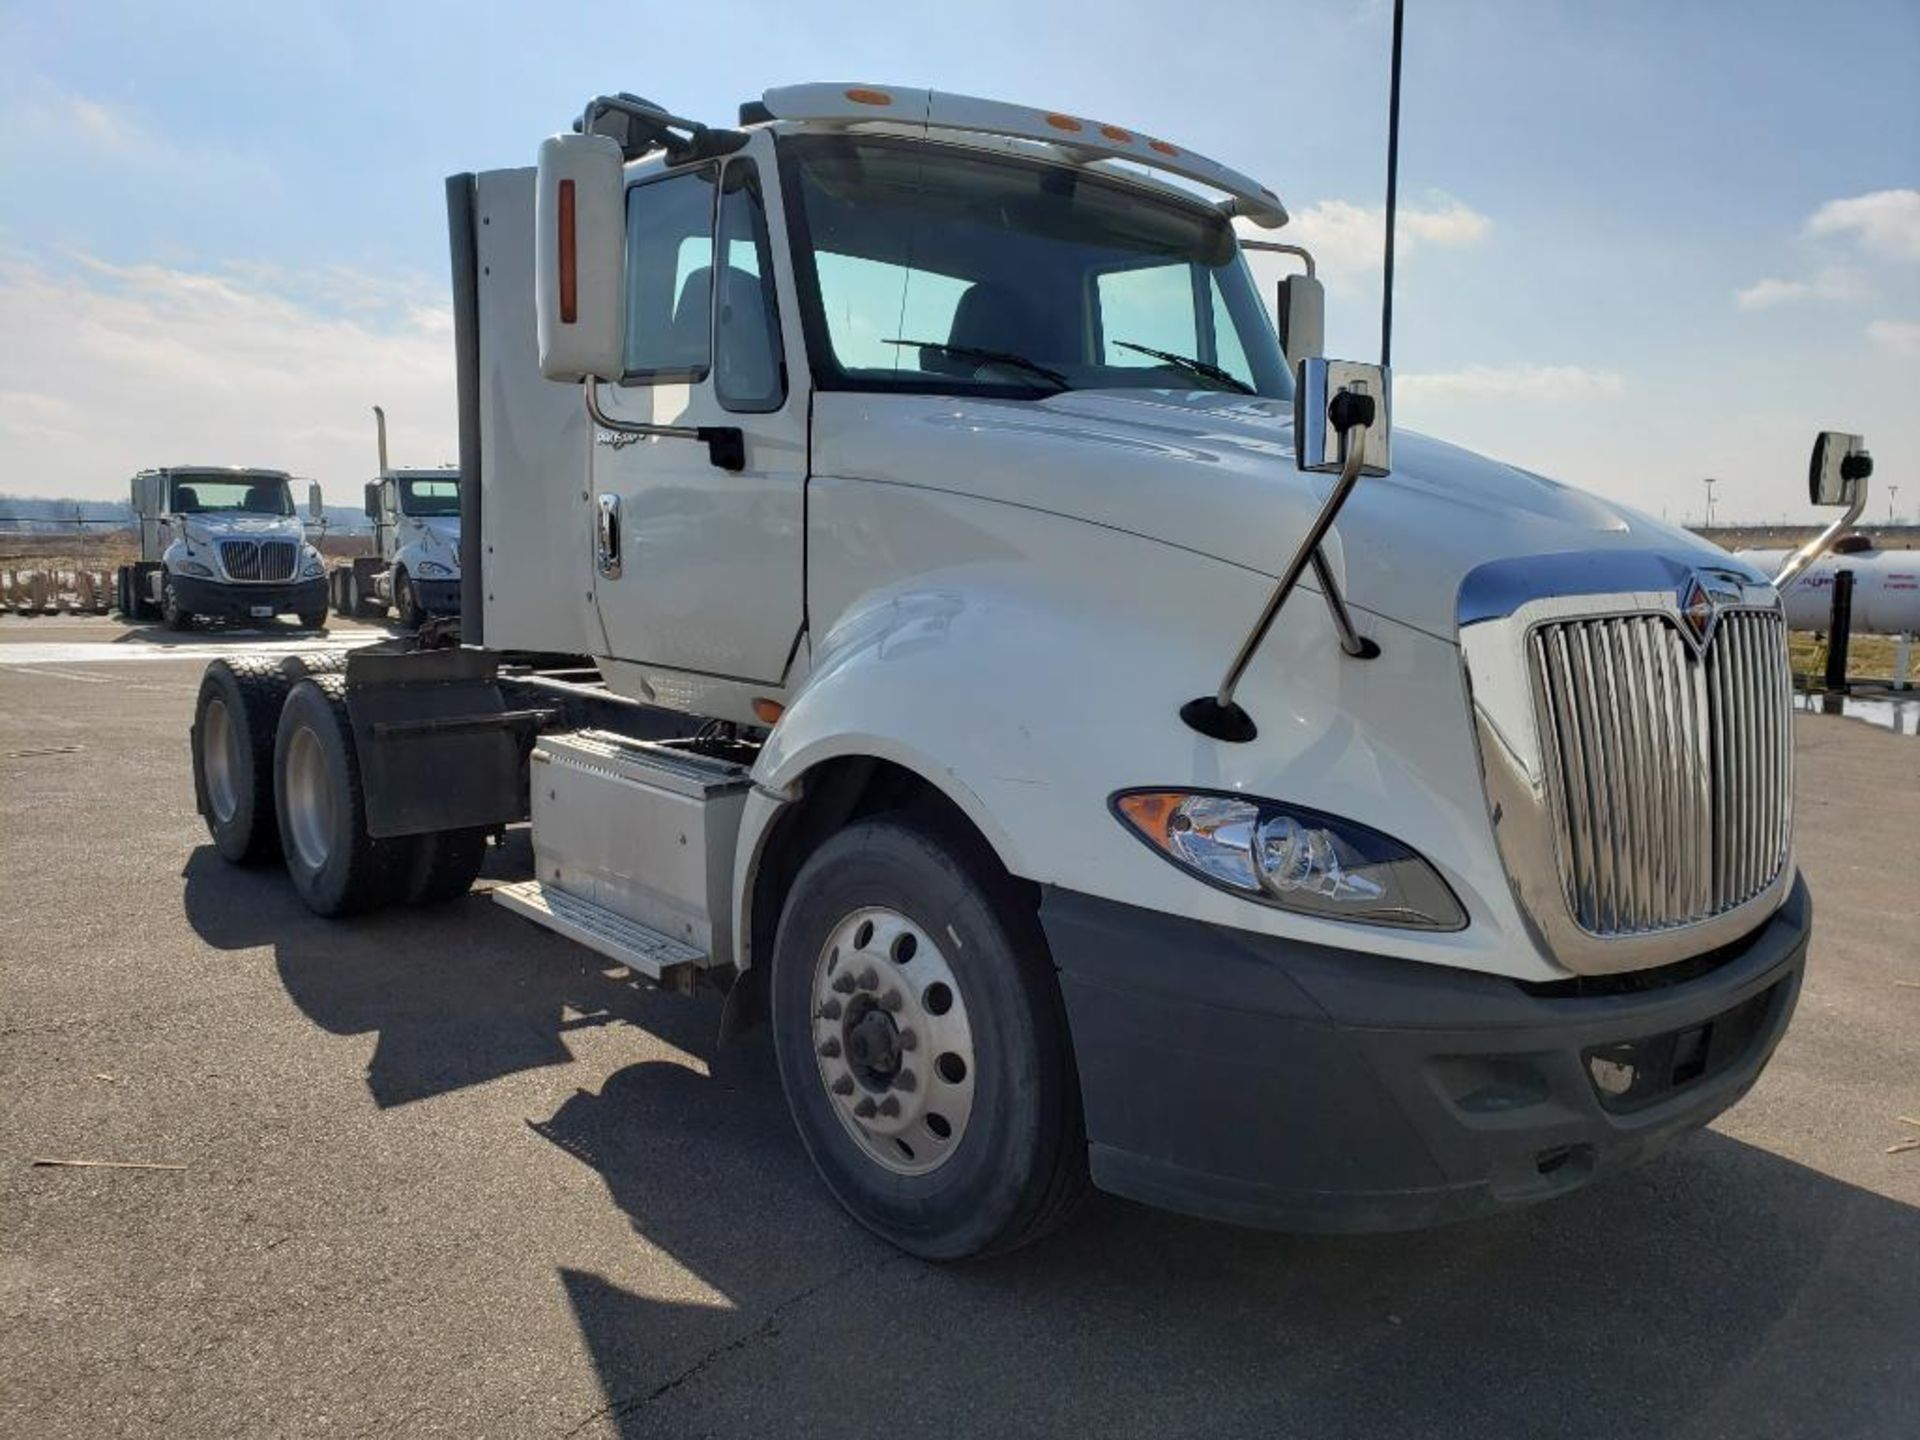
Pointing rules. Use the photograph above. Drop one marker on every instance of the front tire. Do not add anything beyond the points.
(922, 1042)
(407, 602)
(337, 868)
(172, 613)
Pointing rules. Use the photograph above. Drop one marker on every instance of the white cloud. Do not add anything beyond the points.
(1897, 337)
(1833, 283)
(1884, 223)
(1546, 383)
(108, 368)
(1345, 237)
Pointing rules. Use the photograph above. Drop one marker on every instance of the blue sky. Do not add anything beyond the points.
(1641, 243)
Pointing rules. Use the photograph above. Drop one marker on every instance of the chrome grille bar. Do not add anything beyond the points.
(258, 559)
(1670, 778)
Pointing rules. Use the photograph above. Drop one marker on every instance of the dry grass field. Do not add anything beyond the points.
(106, 549)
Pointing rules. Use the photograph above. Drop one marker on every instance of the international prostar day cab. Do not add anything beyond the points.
(1048, 697)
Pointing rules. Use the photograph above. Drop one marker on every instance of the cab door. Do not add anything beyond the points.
(699, 569)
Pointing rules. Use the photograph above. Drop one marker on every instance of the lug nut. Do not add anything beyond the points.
(891, 1000)
(865, 1108)
(909, 1040)
(905, 1081)
(830, 1048)
(843, 982)
(890, 1106)
(843, 1086)
(869, 979)
(830, 1010)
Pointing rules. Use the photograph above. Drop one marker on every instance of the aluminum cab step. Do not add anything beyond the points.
(659, 957)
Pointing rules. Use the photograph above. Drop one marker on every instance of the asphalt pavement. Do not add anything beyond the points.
(446, 1174)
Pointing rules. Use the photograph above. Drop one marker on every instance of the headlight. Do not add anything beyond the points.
(312, 564)
(1291, 857)
(434, 569)
(194, 567)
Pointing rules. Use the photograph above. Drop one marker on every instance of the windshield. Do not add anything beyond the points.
(423, 495)
(946, 269)
(231, 495)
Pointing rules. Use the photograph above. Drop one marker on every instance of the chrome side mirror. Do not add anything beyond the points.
(1319, 441)
(1840, 466)
(1837, 475)
(316, 508)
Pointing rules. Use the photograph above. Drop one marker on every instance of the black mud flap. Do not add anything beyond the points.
(438, 747)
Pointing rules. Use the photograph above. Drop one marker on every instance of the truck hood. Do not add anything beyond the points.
(243, 527)
(444, 528)
(1214, 473)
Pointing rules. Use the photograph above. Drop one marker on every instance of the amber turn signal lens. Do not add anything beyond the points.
(869, 97)
(768, 711)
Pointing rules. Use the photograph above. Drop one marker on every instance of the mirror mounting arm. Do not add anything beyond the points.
(1811, 551)
(726, 444)
(1853, 468)
(1217, 715)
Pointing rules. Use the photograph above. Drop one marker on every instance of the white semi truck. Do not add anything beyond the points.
(221, 543)
(415, 567)
(1100, 751)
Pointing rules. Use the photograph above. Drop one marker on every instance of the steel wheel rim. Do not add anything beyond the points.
(309, 798)
(221, 757)
(892, 1040)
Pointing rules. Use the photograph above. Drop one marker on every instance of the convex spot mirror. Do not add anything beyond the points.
(580, 258)
(1316, 440)
(1839, 470)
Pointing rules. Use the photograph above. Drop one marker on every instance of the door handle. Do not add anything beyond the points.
(607, 537)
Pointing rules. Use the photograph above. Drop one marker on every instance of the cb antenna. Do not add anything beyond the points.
(1393, 187)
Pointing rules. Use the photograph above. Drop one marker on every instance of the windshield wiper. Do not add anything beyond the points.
(1193, 367)
(991, 357)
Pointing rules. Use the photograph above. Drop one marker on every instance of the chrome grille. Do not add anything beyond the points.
(258, 559)
(1670, 777)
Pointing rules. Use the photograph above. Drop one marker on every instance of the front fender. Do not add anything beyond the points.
(1030, 694)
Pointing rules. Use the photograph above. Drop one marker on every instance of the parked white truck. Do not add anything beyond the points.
(221, 543)
(926, 483)
(415, 567)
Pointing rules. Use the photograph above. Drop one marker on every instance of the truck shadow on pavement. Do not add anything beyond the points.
(1720, 1289)
(457, 995)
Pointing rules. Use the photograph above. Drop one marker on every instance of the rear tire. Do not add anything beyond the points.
(232, 742)
(312, 619)
(366, 605)
(966, 1139)
(445, 865)
(336, 867)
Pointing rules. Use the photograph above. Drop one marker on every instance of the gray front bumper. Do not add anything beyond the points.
(1254, 1080)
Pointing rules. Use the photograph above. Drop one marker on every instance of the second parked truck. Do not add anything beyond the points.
(415, 565)
(1101, 749)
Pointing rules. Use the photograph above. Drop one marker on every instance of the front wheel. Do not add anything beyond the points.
(175, 616)
(407, 602)
(922, 1043)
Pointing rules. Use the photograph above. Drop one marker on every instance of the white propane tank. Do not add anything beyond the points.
(1886, 586)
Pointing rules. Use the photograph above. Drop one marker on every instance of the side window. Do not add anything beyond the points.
(670, 277)
(749, 370)
(1150, 306)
